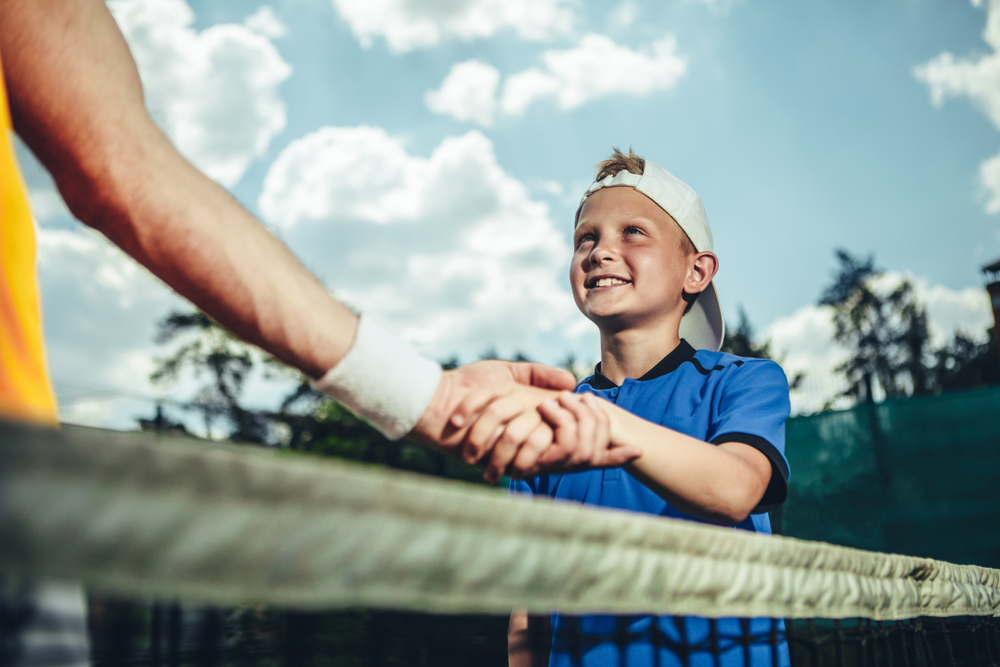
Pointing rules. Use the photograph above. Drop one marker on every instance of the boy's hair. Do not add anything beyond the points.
(636, 164)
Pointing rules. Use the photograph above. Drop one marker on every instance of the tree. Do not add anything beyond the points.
(210, 349)
(886, 331)
(740, 341)
(964, 364)
(305, 420)
(884, 328)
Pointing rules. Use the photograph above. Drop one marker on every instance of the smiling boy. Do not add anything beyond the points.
(710, 425)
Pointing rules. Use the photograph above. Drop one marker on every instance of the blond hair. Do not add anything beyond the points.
(635, 164)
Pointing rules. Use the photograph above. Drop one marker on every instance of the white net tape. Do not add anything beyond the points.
(149, 516)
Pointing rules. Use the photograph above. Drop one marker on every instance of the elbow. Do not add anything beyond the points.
(731, 516)
(732, 504)
(91, 199)
(104, 178)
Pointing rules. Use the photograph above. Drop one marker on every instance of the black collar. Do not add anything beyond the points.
(683, 352)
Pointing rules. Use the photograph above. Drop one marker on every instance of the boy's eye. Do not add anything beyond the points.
(583, 239)
(633, 230)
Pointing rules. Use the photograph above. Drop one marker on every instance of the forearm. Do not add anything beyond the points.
(77, 101)
(717, 483)
(196, 238)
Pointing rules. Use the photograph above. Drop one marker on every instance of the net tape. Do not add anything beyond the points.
(161, 517)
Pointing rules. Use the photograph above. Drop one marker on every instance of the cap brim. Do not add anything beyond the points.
(704, 327)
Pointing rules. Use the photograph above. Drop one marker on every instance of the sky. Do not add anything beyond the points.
(424, 158)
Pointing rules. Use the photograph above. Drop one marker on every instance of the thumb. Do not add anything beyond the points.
(540, 375)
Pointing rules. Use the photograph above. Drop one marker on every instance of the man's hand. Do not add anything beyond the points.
(499, 425)
(575, 435)
(444, 425)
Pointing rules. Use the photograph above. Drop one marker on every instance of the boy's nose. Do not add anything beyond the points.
(602, 253)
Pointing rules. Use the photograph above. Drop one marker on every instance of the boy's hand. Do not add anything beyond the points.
(439, 428)
(509, 435)
(580, 419)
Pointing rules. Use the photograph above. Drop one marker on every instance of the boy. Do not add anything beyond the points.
(710, 425)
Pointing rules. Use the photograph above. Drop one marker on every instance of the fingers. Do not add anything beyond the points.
(526, 462)
(516, 430)
(605, 453)
(516, 435)
(513, 415)
(540, 375)
(582, 436)
(617, 456)
(565, 427)
(587, 430)
(476, 401)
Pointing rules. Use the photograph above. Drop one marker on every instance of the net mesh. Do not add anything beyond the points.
(128, 633)
(280, 559)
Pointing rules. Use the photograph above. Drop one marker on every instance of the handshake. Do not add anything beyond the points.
(520, 419)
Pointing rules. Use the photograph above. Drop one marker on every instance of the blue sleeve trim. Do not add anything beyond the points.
(777, 487)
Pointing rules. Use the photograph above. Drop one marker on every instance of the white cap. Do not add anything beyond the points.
(703, 326)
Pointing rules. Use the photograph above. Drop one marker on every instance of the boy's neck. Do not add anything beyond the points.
(631, 353)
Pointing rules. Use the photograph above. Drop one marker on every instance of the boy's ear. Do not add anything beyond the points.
(704, 266)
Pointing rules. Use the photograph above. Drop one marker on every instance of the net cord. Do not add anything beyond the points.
(162, 517)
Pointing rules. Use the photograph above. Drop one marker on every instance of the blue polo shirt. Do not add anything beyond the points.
(715, 397)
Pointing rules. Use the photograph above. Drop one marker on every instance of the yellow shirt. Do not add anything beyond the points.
(25, 391)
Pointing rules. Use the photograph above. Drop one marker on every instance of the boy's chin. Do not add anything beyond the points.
(616, 321)
(612, 321)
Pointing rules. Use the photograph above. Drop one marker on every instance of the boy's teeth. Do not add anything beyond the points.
(608, 282)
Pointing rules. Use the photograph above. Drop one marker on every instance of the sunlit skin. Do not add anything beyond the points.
(624, 236)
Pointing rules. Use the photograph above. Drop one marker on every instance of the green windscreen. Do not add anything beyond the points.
(916, 476)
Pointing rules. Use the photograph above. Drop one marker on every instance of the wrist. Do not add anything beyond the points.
(432, 425)
(383, 381)
(619, 431)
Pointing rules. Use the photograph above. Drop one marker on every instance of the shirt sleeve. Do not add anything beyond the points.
(752, 407)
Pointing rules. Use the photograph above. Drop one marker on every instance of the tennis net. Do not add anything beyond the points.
(261, 556)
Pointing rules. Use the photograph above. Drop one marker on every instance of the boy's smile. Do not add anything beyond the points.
(628, 268)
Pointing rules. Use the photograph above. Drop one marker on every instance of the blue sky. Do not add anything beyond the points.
(425, 159)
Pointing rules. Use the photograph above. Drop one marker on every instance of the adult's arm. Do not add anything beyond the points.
(77, 101)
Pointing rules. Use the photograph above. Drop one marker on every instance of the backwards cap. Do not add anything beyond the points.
(703, 326)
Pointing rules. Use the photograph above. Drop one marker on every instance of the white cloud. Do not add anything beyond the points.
(265, 22)
(414, 24)
(214, 92)
(804, 340)
(595, 68)
(100, 309)
(951, 311)
(623, 15)
(449, 250)
(468, 93)
(804, 343)
(977, 79)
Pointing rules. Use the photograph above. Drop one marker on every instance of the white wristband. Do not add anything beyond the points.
(382, 380)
